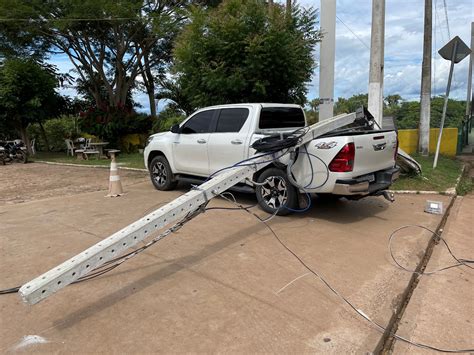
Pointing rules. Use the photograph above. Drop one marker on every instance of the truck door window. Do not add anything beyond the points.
(232, 119)
(281, 117)
(199, 123)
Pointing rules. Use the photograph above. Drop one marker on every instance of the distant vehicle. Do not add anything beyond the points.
(13, 151)
(351, 163)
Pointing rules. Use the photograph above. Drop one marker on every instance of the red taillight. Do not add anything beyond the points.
(344, 160)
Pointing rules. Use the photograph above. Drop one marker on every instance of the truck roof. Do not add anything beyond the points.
(263, 104)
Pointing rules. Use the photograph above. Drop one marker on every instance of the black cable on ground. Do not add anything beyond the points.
(115, 262)
(460, 261)
(376, 325)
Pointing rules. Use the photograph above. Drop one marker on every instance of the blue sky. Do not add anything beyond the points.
(403, 48)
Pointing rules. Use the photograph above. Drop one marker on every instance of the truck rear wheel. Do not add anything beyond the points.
(275, 194)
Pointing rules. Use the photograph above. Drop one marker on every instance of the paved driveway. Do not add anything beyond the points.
(222, 283)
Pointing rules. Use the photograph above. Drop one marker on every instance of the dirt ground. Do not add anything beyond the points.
(222, 283)
(34, 181)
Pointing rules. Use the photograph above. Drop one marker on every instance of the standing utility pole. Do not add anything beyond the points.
(469, 78)
(327, 57)
(425, 98)
(377, 60)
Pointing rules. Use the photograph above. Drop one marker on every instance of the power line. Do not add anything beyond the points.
(446, 15)
(360, 40)
(4, 19)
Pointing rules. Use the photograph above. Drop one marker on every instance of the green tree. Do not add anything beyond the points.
(241, 52)
(312, 111)
(408, 115)
(391, 104)
(27, 95)
(351, 104)
(112, 41)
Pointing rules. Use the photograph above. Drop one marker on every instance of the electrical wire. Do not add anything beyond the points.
(460, 261)
(311, 270)
(115, 262)
(279, 141)
(355, 35)
(382, 329)
(240, 163)
(106, 267)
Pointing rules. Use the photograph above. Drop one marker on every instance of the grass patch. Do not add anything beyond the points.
(439, 179)
(127, 160)
(465, 184)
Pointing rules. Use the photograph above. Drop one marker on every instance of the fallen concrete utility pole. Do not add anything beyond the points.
(111, 247)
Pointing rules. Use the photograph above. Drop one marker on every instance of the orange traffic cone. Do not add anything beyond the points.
(115, 186)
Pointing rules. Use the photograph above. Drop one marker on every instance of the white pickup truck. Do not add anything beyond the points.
(350, 162)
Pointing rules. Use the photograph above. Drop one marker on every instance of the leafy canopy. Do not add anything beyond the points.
(242, 52)
(27, 93)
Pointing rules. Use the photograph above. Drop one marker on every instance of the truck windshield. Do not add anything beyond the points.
(281, 117)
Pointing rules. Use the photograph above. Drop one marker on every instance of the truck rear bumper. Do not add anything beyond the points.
(367, 184)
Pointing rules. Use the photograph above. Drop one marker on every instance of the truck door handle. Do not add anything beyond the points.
(236, 141)
(201, 141)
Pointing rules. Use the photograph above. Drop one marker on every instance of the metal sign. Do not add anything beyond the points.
(454, 51)
(456, 44)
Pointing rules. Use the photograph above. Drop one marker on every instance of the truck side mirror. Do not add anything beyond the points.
(175, 129)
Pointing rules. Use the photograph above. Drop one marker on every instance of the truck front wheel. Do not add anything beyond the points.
(275, 194)
(161, 174)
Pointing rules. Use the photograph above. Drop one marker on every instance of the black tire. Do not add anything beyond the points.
(276, 194)
(21, 156)
(161, 175)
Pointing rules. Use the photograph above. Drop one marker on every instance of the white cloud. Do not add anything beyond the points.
(403, 48)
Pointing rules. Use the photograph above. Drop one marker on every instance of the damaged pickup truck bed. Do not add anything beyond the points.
(353, 162)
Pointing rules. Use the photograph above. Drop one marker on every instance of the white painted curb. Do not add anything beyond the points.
(89, 166)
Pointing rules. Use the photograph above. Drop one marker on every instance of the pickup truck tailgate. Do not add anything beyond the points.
(374, 151)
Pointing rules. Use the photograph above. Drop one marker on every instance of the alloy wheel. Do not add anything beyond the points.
(274, 192)
(159, 173)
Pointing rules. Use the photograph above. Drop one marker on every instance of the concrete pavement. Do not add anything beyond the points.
(441, 309)
(212, 286)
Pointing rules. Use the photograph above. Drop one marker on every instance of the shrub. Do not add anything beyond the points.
(56, 130)
(166, 118)
(111, 124)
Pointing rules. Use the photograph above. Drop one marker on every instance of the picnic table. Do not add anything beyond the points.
(99, 146)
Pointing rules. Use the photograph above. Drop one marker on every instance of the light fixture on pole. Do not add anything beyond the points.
(455, 51)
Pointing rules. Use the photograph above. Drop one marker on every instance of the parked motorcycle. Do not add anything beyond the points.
(13, 151)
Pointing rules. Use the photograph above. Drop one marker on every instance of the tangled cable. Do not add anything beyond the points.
(118, 261)
(279, 141)
(382, 329)
(460, 262)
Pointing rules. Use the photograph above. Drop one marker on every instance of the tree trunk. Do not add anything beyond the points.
(45, 137)
(150, 86)
(25, 138)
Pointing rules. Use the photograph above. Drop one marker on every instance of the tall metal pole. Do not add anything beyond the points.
(328, 53)
(377, 60)
(469, 77)
(445, 106)
(425, 96)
